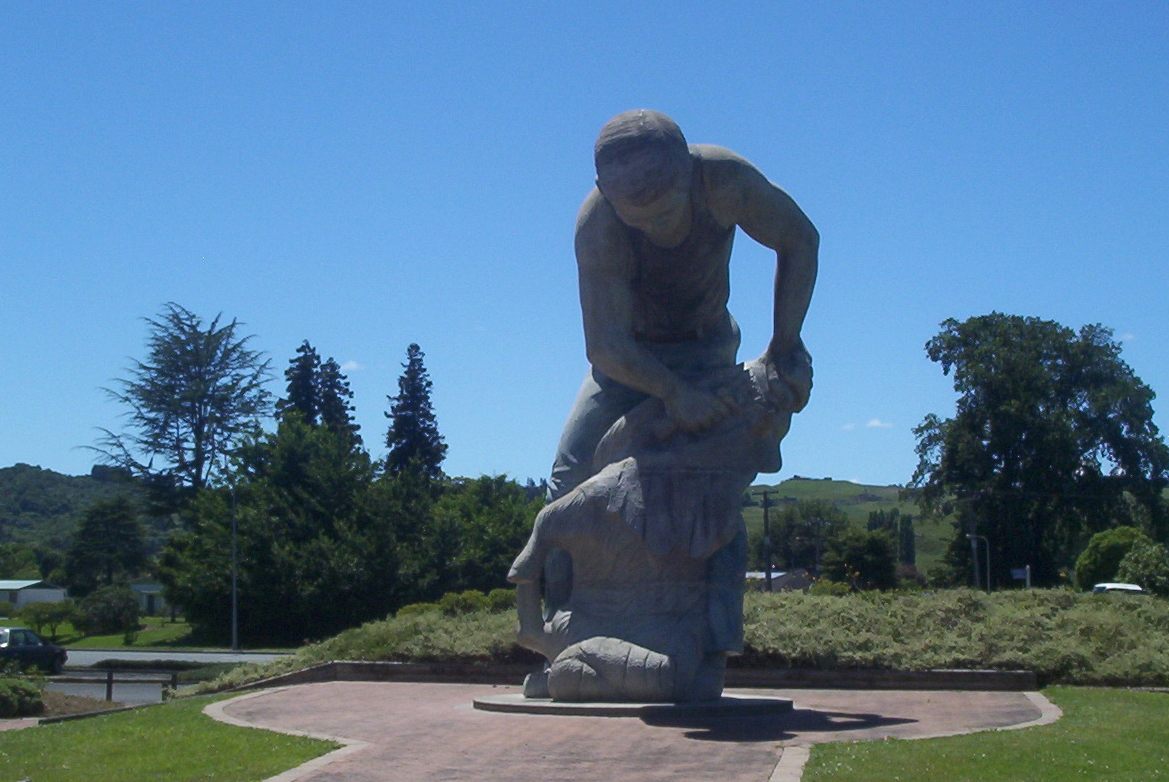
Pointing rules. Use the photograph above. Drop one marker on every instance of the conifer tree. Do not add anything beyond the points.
(335, 405)
(196, 396)
(302, 376)
(319, 392)
(413, 439)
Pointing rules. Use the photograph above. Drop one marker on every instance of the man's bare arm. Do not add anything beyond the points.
(606, 265)
(740, 194)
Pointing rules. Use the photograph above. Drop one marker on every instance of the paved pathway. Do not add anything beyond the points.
(429, 732)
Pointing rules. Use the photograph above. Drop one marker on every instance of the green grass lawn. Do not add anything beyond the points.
(173, 742)
(1103, 735)
(157, 631)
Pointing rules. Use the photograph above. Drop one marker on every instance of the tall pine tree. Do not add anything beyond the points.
(413, 440)
(319, 393)
(302, 377)
(336, 407)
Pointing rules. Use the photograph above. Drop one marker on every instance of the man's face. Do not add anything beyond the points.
(665, 220)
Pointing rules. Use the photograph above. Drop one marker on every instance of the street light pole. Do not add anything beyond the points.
(974, 546)
(767, 537)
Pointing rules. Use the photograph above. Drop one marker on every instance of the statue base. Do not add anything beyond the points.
(726, 706)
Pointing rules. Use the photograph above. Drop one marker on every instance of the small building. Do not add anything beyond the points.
(150, 599)
(22, 592)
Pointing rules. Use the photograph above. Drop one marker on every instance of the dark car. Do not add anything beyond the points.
(27, 649)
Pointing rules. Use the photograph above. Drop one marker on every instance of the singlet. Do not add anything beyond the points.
(680, 293)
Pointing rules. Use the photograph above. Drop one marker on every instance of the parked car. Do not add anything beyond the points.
(1109, 586)
(27, 649)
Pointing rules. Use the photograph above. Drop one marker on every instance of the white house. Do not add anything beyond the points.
(22, 592)
(150, 599)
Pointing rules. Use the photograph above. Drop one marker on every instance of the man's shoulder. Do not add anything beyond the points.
(727, 179)
(601, 238)
(596, 217)
(720, 166)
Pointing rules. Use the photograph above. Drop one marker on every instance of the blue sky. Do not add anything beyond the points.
(370, 175)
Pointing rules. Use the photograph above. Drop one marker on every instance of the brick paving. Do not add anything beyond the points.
(413, 732)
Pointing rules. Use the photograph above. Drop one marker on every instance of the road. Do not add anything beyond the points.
(90, 657)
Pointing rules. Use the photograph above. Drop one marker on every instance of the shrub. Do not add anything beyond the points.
(414, 609)
(501, 600)
(1147, 564)
(19, 698)
(466, 602)
(826, 586)
(1099, 561)
(111, 609)
(7, 609)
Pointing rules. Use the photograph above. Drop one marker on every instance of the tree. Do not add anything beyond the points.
(51, 615)
(1146, 564)
(108, 546)
(319, 393)
(199, 391)
(1053, 439)
(486, 521)
(336, 402)
(900, 527)
(413, 440)
(1100, 559)
(111, 609)
(862, 559)
(803, 532)
(314, 555)
(302, 378)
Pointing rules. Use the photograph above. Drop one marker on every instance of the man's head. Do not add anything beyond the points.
(643, 171)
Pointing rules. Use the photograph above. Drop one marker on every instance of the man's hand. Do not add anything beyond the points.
(790, 373)
(693, 409)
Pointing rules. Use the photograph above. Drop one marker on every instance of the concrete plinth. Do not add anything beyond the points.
(726, 706)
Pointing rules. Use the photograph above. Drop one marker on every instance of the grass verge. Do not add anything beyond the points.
(174, 742)
(1104, 735)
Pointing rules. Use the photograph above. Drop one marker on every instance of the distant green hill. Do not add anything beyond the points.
(43, 507)
(857, 501)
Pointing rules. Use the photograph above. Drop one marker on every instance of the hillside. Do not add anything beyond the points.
(43, 507)
(857, 501)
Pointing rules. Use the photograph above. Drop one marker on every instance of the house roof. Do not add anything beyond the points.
(11, 585)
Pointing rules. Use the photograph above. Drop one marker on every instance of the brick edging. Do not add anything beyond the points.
(778, 678)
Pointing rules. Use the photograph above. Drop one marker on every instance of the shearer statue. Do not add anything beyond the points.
(631, 584)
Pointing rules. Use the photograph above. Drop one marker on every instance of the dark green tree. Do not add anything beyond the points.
(862, 559)
(1146, 564)
(485, 521)
(800, 534)
(1053, 439)
(302, 378)
(413, 439)
(1100, 560)
(319, 393)
(315, 554)
(110, 609)
(197, 394)
(900, 528)
(336, 401)
(19, 561)
(107, 548)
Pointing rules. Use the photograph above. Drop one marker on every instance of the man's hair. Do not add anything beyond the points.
(640, 154)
